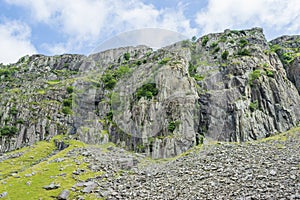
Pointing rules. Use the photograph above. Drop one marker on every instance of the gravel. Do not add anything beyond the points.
(254, 170)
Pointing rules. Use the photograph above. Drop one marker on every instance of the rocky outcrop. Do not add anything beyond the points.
(245, 92)
(231, 86)
(287, 48)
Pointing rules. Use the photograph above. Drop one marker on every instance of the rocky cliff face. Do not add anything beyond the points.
(231, 86)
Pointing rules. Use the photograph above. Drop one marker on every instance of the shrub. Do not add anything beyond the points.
(275, 47)
(5, 72)
(13, 110)
(253, 106)
(110, 84)
(67, 102)
(198, 77)
(243, 42)
(8, 131)
(172, 125)
(164, 61)
(67, 110)
(127, 56)
(109, 115)
(138, 62)
(216, 50)
(225, 55)
(254, 75)
(287, 57)
(70, 89)
(111, 77)
(213, 45)
(204, 40)
(192, 69)
(147, 90)
(270, 73)
(193, 73)
(223, 38)
(244, 52)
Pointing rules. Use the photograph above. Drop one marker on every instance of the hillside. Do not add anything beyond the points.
(231, 86)
(98, 121)
(264, 169)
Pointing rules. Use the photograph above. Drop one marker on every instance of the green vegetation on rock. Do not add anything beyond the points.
(173, 125)
(127, 56)
(111, 76)
(243, 42)
(225, 55)
(147, 90)
(204, 40)
(243, 52)
(8, 131)
(254, 75)
(164, 61)
(253, 106)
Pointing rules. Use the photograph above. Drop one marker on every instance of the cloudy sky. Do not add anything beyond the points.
(79, 26)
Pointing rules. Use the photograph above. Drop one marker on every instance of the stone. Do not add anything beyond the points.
(3, 194)
(64, 195)
(51, 186)
(272, 172)
(89, 187)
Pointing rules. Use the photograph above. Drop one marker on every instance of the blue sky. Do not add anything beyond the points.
(79, 26)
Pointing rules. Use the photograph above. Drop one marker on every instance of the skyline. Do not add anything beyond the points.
(79, 26)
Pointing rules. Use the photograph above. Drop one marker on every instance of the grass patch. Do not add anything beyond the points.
(164, 61)
(254, 75)
(253, 106)
(41, 92)
(53, 82)
(43, 173)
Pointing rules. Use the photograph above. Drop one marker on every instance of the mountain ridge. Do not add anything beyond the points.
(230, 86)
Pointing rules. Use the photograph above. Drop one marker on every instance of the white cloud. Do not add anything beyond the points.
(87, 21)
(57, 48)
(271, 14)
(14, 40)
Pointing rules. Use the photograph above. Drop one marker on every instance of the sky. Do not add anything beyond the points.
(79, 26)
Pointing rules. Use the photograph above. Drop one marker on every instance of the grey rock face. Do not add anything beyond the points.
(287, 48)
(231, 86)
(245, 96)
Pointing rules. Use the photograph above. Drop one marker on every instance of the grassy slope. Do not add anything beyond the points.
(21, 186)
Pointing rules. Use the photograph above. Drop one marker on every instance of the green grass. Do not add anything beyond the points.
(41, 92)
(164, 61)
(45, 172)
(53, 82)
(282, 136)
(254, 75)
